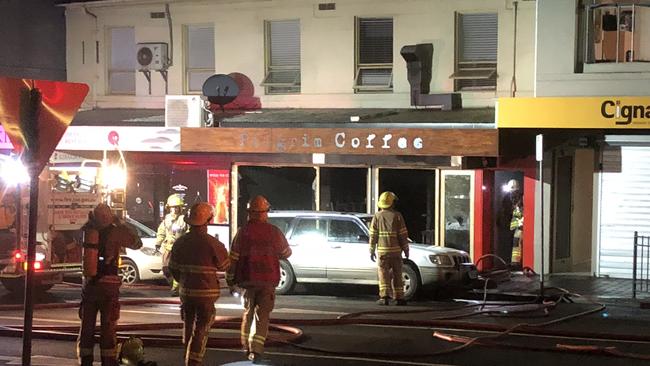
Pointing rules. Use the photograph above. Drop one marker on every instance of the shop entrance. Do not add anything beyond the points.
(505, 198)
(415, 190)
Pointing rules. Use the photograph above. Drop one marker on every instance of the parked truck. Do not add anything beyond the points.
(66, 195)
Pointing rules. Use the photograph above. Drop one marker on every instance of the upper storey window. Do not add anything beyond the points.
(617, 31)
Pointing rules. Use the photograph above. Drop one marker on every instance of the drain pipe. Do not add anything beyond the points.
(513, 81)
(96, 38)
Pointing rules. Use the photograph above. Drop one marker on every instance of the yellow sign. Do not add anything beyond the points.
(574, 112)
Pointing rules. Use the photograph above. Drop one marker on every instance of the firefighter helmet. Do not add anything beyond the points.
(131, 351)
(387, 199)
(175, 200)
(513, 185)
(200, 214)
(103, 216)
(258, 204)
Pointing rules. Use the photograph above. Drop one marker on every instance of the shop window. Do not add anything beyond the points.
(282, 57)
(199, 56)
(476, 52)
(122, 62)
(374, 55)
(617, 31)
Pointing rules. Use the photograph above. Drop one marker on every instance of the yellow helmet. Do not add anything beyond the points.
(175, 200)
(387, 199)
(200, 214)
(258, 204)
(131, 351)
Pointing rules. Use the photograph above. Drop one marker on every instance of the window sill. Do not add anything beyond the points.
(622, 67)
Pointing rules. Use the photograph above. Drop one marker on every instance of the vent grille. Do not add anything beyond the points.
(327, 6)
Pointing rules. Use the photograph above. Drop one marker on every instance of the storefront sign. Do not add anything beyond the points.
(574, 112)
(126, 138)
(5, 143)
(218, 195)
(405, 141)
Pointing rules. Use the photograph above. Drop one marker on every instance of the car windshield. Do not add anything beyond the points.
(142, 230)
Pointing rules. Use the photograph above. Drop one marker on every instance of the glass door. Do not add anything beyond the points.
(457, 209)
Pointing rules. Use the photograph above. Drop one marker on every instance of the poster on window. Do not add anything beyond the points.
(218, 194)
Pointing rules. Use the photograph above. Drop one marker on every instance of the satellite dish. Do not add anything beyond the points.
(145, 56)
(220, 89)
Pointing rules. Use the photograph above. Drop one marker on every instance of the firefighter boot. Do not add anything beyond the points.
(383, 301)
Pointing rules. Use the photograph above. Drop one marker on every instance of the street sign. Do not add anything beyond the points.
(36, 113)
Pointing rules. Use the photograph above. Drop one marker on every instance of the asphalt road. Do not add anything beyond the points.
(408, 340)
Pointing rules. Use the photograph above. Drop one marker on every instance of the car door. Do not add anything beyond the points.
(308, 241)
(349, 252)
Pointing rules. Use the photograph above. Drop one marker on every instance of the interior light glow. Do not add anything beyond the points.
(115, 177)
(12, 171)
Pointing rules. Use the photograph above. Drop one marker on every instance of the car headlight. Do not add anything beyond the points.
(441, 260)
(149, 251)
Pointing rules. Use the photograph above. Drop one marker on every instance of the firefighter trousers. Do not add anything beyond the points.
(197, 315)
(391, 283)
(166, 256)
(103, 298)
(258, 304)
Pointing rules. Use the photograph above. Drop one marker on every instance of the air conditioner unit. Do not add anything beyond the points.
(183, 111)
(152, 56)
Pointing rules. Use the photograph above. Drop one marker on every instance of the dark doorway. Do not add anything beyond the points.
(415, 190)
(285, 188)
(503, 207)
(343, 189)
(562, 223)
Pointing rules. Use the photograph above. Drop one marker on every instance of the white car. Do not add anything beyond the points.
(144, 263)
(332, 247)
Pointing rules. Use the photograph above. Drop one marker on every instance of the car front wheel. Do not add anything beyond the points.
(287, 279)
(129, 272)
(411, 281)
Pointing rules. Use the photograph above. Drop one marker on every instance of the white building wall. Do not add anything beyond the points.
(327, 46)
(556, 54)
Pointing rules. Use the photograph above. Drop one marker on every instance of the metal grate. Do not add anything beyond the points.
(641, 264)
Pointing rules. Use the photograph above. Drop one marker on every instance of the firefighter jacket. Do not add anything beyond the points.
(517, 222)
(195, 260)
(388, 233)
(170, 229)
(255, 255)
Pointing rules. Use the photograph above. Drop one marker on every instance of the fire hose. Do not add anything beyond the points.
(285, 331)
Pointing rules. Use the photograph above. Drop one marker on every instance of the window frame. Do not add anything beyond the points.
(279, 88)
(476, 70)
(187, 70)
(110, 71)
(587, 35)
(360, 67)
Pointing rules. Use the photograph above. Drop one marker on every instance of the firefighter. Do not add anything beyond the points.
(104, 237)
(195, 259)
(170, 229)
(389, 237)
(516, 221)
(255, 257)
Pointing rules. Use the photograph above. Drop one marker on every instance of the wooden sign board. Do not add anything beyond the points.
(366, 141)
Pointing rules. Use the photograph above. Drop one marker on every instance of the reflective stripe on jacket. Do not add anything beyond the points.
(388, 233)
(195, 260)
(169, 230)
(255, 254)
